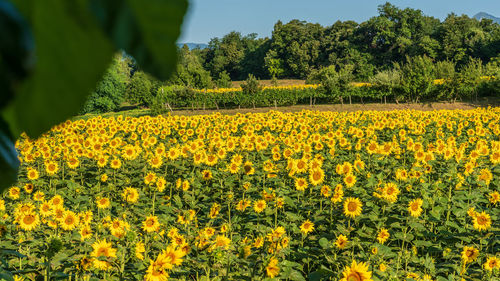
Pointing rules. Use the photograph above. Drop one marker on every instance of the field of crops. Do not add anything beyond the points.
(399, 195)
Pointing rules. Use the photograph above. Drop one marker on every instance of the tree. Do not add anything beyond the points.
(447, 80)
(109, 93)
(417, 77)
(190, 71)
(251, 88)
(470, 78)
(139, 90)
(386, 82)
(224, 81)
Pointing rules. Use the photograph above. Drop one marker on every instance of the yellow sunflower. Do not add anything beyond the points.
(415, 207)
(14, 192)
(171, 257)
(349, 180)
(102, 249)
(352, 207)
(482, 221)
(151, 224)
(341, 241)
(272, 268)
(307, 227)
(300, 184)
(69, 220)
(316, 176)
(259, 205)
(357, 272)
(494, 197)
(469, 254)
(51, 167)
(139, 250)
(156, 271)
(222, 241)
(32, 174)
(29, 221)
(383, 235)
(206, 175)
(130, 194)
(85, 232)
(103, 203)
(492, 263)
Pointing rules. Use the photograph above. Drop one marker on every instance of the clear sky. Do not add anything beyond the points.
(215, 18)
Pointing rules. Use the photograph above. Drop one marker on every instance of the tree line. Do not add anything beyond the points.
(399, 50)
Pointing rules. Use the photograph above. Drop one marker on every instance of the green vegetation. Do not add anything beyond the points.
(403, 54)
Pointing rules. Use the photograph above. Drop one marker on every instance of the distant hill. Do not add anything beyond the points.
(193, 45)
(483, 15)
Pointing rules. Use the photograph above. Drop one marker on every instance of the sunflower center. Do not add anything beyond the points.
(69, 220)
(247, 168)
(352, 206)
(354, 276)
(29, 219)
(481, 220)
(414, 206)
(102, 252)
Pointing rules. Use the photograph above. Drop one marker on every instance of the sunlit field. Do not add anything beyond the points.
(398, 195)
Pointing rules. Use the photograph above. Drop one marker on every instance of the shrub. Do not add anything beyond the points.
(251, 88)
(139, 89)
(416, 77)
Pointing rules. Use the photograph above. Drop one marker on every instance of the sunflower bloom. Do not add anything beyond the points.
(272, 268)
(492, 263)
(415, 207)
(357, 272)
(469, 254)
(352, 207)
(482, 221)
(341, 241)
(383, 235)
(151, 224)
(307, 227)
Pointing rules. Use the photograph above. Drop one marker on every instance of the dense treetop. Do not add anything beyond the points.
(296, 48)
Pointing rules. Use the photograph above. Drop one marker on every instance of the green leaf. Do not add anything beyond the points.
(72, 54)
(296, 276)
(147, 30)
(323, 242)
(160, 24)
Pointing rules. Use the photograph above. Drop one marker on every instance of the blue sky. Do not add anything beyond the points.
(215, 18)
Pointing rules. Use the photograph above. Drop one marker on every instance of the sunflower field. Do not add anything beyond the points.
(360, 196)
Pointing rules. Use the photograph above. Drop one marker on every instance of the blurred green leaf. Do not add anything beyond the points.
(72, 54)
(146, 30)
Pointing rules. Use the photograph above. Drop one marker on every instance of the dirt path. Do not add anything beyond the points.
(352, 107)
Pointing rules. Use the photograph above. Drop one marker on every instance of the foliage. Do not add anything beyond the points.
(271, 196)
(190, 71)
(417, 76)
(224, 81)
(251, 90)
(448, 83)
(387, 82)
(74, 44)
(297, 48)
(110, 91)
(139, 90)
(470, 78)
